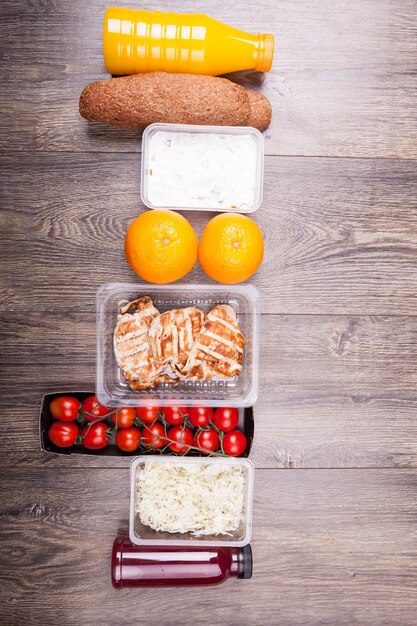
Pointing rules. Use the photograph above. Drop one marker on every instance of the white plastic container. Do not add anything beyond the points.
(144, 535)
(203, 168)
(113, 390)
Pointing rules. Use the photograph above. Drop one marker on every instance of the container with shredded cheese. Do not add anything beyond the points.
(175, 501)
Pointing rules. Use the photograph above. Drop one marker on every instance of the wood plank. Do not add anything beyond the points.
(343, 81)
(340, 234)
(330, 547)
(335, 391)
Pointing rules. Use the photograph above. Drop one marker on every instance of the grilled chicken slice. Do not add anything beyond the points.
(131, 347)
(172, 335)
(180, 344)
(218, 349)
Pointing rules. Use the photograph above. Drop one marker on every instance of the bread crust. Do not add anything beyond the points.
(260, 110)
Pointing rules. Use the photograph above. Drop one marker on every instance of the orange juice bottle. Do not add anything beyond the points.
(148, 41)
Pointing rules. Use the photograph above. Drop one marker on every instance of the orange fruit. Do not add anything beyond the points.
(231, 248)
(161, 246)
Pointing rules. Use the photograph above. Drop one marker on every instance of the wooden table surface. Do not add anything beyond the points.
(335, 434)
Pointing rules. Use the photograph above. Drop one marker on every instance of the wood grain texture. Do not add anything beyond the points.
(343, 81)
(340, 235)
(330, 547)
(335, 391)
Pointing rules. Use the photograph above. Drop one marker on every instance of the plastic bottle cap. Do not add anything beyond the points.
(245, 562)
(266, 53)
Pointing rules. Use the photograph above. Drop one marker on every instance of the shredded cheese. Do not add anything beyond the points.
(203, 499)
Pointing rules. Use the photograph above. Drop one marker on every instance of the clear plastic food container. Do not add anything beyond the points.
(111, 387)
(205, 168)
(144, 535)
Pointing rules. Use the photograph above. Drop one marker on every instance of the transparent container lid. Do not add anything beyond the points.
(140, 534)
(113, 390)
(202, 168)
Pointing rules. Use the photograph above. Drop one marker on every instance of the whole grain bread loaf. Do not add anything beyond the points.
(142, 99)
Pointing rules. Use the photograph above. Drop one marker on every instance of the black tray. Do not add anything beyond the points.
(246, 424)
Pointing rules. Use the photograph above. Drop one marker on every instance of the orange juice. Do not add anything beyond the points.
(137, 41)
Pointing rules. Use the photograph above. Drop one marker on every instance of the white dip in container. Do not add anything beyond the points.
(196, 167)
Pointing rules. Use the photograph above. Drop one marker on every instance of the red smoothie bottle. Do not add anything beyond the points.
(144, 566)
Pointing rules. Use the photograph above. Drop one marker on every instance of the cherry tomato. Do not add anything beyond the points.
(234, 443)
(65, 408)
(207, 439)
(95, 436)
(93, 410)
(175, 415)
(147, 414)
(124, 418)
(200, 416)
(127, 439)
(226, 419)
(63, 434)
(153, 436)
(183, 435)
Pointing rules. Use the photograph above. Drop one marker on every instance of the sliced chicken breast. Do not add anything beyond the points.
(172, 335)
(131, 346)
(218, 349)
(181, 344)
